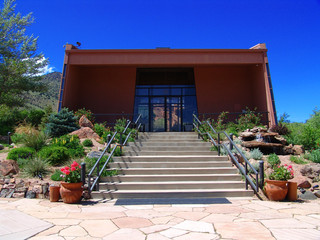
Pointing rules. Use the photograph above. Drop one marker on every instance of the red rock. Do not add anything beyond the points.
(8, 166)
(86, 132)
(298, 149)
(18, 195)
(304, 184)
(85, 122)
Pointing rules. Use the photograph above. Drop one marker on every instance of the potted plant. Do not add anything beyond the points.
(277, 185)
(71, 188)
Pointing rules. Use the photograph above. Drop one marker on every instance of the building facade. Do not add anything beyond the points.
(166, 86)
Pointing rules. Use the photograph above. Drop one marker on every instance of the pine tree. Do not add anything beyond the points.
(20, 65)
(61, 123)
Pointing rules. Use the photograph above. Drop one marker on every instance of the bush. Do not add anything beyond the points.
(314, 156)
(56, 176)
(274, 160)
(55, 155)
(256, 154)
(87, 143)
(61, 123)
(297, 160)
(280, 128)
(36, 167)
(72, 143)
(249, 119)
(80, 112)
(91, 161)
(35, 140)
(99, 128)
(17, 138)
(23, 152)
(8, 119)
(35, 116)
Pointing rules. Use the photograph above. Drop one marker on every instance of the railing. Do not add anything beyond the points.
(95, 184)
(243, 169)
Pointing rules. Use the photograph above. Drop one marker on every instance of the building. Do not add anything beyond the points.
(167, 85)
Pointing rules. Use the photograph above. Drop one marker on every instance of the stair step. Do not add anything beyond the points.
(163, 171)
(167, 148)
(170, 164)
(172, 185)
(171, 144)
(169, 153)
(203, 193)
(169, 158)
(172, 177)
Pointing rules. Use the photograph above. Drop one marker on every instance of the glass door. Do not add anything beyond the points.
(157, 114)
(173, 114)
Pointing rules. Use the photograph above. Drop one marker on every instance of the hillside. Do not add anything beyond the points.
(41, 100)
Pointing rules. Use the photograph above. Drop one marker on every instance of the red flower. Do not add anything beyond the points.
(67, 172)
(73, 169)
(62, 169)
(66, 168)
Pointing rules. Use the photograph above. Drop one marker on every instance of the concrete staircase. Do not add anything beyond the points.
(171, 165)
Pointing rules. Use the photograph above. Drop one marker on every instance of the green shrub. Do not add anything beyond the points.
(72, 143)
(9, 117)
(297, 160)
(17, 138)
(22, 152)
(99, 129)
(281, 128)
(91, 161)
(116, 153)
(256, 154)
(35, 116)
(106, 133)
(61, 123)
(274, 160)
(55, 155)
(80, 112)
(22, 162)
(87, 143)
(314, 156)
(35, 140)
(255, 165)
(56, 176)
(36, 167)
(249, 119)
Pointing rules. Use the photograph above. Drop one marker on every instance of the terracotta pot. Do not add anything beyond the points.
(276, 190)
(54, 193)
(292, 191)
(71, 192)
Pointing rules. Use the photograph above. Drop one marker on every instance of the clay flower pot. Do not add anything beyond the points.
(54, 193)
(71, 192)
(276, 190)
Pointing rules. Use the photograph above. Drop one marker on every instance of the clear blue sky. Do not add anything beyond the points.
(290, 28)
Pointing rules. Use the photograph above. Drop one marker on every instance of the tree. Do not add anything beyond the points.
(20, 65)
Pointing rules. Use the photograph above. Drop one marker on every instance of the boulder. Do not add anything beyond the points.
(86, 132)
(247, 136)
(317, 193)
(298, 149)
(281, 139)
(311, 170)
(85, 122)
(8, 166)
(304, 184)
(307, 196)
(265, 147)
(94, 154)
(1, 147)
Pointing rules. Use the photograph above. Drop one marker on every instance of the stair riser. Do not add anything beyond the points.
(171, 141)
(176, 171)
(166, 148)
(167, 153)
(172, 137)
(169, 165)
(149, 134)
(128, 159)
(222, 194)
(160, 178)
(171, 144)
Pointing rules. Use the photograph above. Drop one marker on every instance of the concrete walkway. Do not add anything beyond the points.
(159, 219)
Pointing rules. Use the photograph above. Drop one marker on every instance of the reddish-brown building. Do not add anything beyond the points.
(167, 85)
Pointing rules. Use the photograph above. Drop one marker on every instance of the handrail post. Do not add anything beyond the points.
(218, 144)
(120, 142)
(98, 170)
(83, 173)
(261, 173)
(9, 138)
(246, 172)
(231, 144)
(108, 140)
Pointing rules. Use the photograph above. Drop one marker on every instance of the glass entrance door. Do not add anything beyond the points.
(165, 114)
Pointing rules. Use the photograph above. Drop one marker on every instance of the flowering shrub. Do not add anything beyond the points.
(72, 174)
(282, 173)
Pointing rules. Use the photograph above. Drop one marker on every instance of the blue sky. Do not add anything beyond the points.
(290, 28)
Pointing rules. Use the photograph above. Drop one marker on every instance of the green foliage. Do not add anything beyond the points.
(282, 173)
(297, 160)
(72, 143)
(314, 156)
(35, 116)
(256, 154)
(99, 129)
(20, 65)
(87, 143)
(255, 165)
(91, 161)
(249, 119)
(61, 123)
(120, 125)
(22, 152)
(56, 176)
(116, 153)
(274, 160)
(36, 140)
(17, 138)
(8, 119)
(85, 112)
(55, 155)
(36, 167)
(71, 174)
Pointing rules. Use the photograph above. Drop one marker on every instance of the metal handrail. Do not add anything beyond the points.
(95, 183)
(255, 186)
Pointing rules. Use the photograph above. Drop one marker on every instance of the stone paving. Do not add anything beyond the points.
(164, 219)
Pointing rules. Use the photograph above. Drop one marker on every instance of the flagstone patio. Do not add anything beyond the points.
(159, 220)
